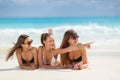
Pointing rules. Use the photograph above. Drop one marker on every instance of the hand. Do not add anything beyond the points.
(88, 45)
(77, 67)
(32, 67)
(50, 31)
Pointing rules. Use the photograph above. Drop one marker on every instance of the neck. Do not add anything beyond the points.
(25, 50)
(47, 48)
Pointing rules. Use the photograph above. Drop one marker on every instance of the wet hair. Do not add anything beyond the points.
(67, 35)
(17, 45)
(44, 37)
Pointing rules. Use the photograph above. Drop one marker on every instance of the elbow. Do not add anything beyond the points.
(36, 66)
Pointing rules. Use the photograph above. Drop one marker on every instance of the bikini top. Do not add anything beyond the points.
(79, 59)
(53, 61)
(25, 61)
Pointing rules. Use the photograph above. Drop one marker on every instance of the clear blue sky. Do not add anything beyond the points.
(59, 8)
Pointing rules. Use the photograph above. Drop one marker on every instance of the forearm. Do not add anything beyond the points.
(45, 66)
(69, 66)
(25, 67)
(59, 67)
(34, 65)
(68, 49)
(75, 47)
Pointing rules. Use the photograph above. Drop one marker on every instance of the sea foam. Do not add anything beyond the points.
(103, 36)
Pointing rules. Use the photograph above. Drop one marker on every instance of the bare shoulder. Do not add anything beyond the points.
(40, 47)
(18, 51)
(34, 48)
(82, 46)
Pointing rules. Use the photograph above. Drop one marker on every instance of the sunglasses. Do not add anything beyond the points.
(75, 37)
(29, 43)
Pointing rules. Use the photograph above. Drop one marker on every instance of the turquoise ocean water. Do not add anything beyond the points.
(104, 31)
(54, 22)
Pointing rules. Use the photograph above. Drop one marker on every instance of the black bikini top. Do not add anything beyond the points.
(79, 59)
(25, 61)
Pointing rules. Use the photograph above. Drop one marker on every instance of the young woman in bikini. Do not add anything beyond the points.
(76, 59)
(26, 54)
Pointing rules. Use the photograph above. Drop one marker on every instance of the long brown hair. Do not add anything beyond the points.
(67, 35)
(17, 45)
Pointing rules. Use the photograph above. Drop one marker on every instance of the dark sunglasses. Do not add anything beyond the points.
(75, 37)
(29, 43)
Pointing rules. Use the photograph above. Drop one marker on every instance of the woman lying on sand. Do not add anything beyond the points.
(47, 54)
(26, 54)
(76, 59)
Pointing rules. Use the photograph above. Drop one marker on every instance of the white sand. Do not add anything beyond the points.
(100, 68)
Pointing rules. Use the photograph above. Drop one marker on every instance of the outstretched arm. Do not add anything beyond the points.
(88, 45)
(50, 31)
(68, 49)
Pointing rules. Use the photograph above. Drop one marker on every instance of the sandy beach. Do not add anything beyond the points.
(95, 21)
(101, 67)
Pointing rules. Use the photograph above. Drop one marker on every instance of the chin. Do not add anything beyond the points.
(29, 47)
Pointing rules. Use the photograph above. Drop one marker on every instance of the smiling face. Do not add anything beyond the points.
(49, 42)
